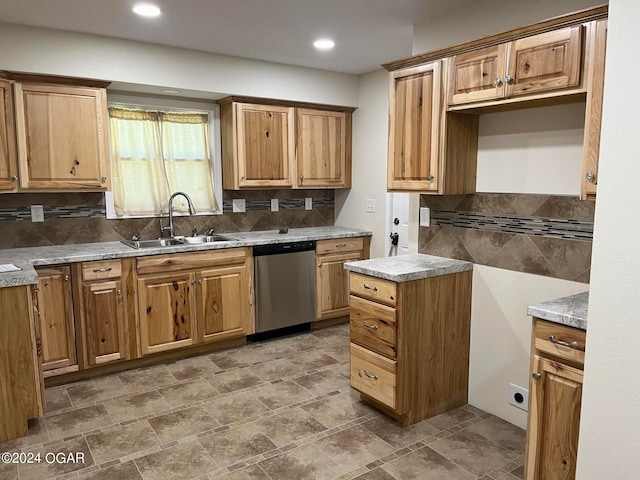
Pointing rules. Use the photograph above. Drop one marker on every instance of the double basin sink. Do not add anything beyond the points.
(173, 241)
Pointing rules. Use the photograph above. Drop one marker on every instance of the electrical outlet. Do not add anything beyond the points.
(371, 205)
(239, 205)
(308, 203)
(274, 205)
(425, 217)
(37, 213)
(519, 397)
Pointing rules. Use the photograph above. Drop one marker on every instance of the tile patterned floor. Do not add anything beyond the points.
(276, 410)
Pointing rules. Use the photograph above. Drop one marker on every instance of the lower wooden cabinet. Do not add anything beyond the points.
(555, 396)
(332, 280)
(53, 306)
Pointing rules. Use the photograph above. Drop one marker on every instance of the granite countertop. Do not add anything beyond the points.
(403, 268)
(570, 311)
(27, 258)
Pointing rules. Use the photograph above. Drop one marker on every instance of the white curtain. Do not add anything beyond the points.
(155, 154)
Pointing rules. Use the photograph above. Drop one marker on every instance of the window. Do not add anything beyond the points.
(158, 151)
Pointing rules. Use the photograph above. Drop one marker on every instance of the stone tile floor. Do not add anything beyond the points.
(275, 410)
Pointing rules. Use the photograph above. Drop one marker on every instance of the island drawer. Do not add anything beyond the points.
(373, 375)
(375, 289)
(559, 340)
(373, 326)
(101, 270)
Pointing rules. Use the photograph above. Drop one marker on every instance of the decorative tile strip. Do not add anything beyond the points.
(69, 211)
(283, 204)
(536, 226)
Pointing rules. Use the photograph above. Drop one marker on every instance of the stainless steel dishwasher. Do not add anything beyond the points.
(285, 286)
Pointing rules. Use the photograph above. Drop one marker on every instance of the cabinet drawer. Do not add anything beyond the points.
(373, 375)
(339, 245)
(373, 326)
(191, 261)
(373, 288)
(101, 270)
(552, 338)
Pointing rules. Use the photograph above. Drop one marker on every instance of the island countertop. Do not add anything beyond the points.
(404, 268)
(570, 311)
(29, 257)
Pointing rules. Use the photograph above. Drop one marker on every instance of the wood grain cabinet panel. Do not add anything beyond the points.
(478, 75)
(8, 165)
(323, 154)
(54, 311)
(62, 137)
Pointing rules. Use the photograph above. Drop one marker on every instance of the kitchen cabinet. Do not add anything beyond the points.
(258, 146)
(534, 64)
(21, 395)
(207, 296)
(101, 309)
(555, 395)
(332, 280)
(62, 137)
(8, 166)
(323, 153)
(410, 343)
(593, 115)
(53, 307)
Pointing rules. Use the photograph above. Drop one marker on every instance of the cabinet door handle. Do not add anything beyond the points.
(370, 375)
(341, 245)
(367, 287)
(372, 327)
(104, 269)
(574, 345)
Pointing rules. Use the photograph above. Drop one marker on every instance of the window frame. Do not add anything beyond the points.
(164, 104)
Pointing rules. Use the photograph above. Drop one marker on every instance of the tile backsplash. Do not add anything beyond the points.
(539, 234)
(81, 217)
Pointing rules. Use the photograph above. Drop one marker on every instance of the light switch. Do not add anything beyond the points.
(308, 203)
(425, 217)
(239, 205)
(371, 205)
(274, 205)
(37, 213)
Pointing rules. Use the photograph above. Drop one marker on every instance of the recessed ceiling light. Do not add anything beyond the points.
(146, 10)
(324, 44)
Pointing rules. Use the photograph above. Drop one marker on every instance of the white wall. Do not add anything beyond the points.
(39, 50)
(610, 420)
(501, 334)
(370, 132)
(529, 151)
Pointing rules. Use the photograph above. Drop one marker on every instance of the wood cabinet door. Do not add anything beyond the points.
(8, 169)
(104, 324)
(332, 284)
(478, 75)
(223, 303)
(414, 114)
(54, 309)
(167, 312)
(593, 116)
(554, 420)
(62, 137)
(548, 61)
(265, 136)
(322, 149)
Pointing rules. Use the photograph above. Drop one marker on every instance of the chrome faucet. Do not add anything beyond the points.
(192, 211)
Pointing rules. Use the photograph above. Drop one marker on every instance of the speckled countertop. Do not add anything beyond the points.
(570, 311)
(404, 268)
(27, 258)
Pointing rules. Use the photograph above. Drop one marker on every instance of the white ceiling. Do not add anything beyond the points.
(367, 32)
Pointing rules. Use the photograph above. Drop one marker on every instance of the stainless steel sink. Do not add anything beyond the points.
(155, 243)
(202, 239)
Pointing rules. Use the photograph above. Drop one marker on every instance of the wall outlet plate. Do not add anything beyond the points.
(371, 205)
(37, 213)
(519, 397)
(308, 203)
(274, 205)
(239, 205)
(425, 217)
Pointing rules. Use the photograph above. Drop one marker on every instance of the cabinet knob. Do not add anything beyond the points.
(66, 278)
(497, 82)
(301, 177)
(535, 376)
(430, 177)
(200, 282)
(590, 176)
(14, 178)
(509, 79)
(119, 292)
(103, 179)
(242, 178)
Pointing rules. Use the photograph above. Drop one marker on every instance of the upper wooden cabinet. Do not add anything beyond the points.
(62, 137)
(323, 153)
(540, 63)
(8, 169)
(284, 144)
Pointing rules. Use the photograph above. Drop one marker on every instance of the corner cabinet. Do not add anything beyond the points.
(410, 343)
(8, 166)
